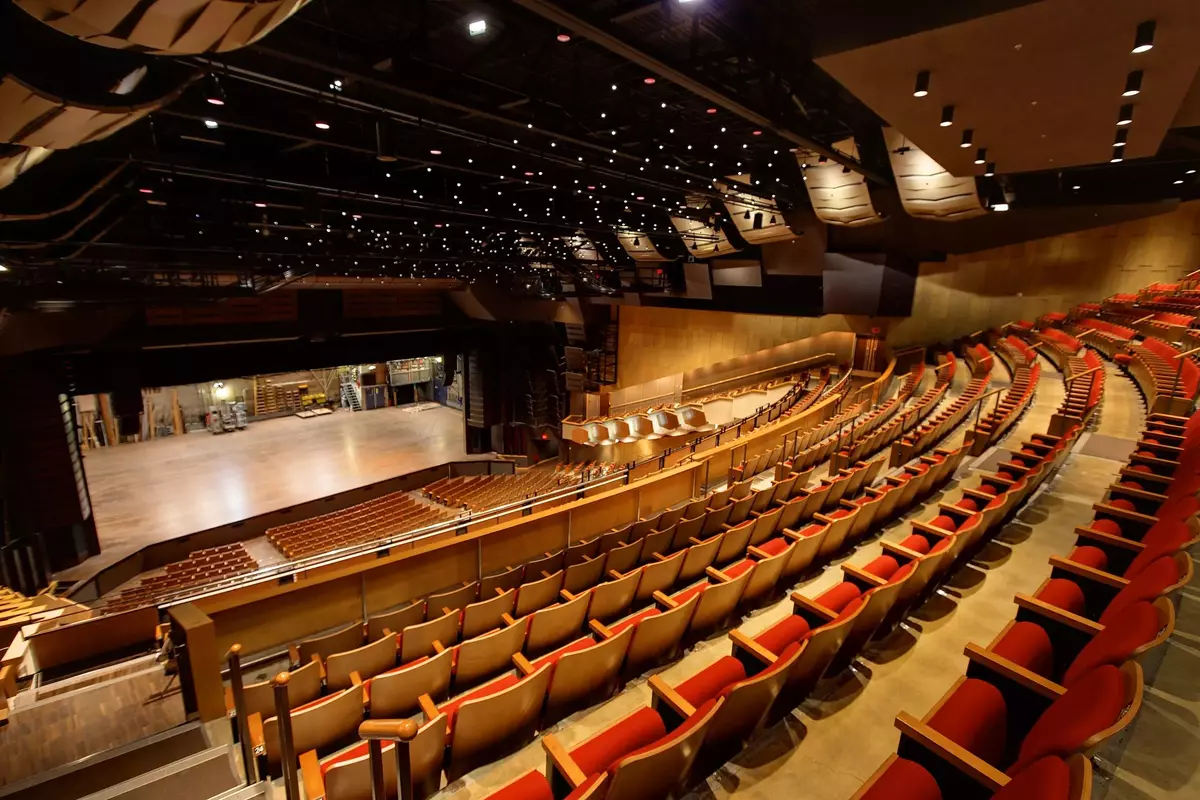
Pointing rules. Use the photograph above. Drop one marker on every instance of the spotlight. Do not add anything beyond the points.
(947, 116)
(968, 135)
(435, 152)
(1178, 182)
(146, 190)
(922, 87)
(1133, 83)
(990, 169)
(1118, 155)
(564, 37)
(649, 81)
(710, 111)
(981, 156)
(260, 205)
(477, 28)
(322, 125)
(1122, 137)
(1125, 116)
(756, 133)
(746, 215)
(1144, 40)
(215, 94)
(1000, 207)
(637, 242)
(211, 124)
(384, 151)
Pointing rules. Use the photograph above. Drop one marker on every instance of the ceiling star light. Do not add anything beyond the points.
(649, 81)
(564, 37)
(922, 87)
(1133, 84)
(947, 116)
(215, 94)
(1125, 116)
(321, 125)
(477, 27)
(1144, 40)
(981, 156)
(211, 124)
(967, 136)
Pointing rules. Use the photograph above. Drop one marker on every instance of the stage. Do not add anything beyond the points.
(152, 491)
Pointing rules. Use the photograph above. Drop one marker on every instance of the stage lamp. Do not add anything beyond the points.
(947, 116)
(1144, 39)
(922, 87)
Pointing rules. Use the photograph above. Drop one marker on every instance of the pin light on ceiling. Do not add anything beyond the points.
(967, 137)
(1133, 83)
(1144, 38)
(947, 116)
(215, 93)
(981, 156)
(922, 86)
(1125, 116)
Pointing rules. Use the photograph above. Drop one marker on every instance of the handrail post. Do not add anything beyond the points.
(287, 749)
(239, 713)
(401, 733)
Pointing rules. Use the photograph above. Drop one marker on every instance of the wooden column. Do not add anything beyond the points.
(199, 662)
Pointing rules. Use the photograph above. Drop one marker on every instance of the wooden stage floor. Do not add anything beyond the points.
(152, 491)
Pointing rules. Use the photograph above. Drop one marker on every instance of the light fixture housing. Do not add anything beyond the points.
(947, 116)
(477, 27)
(990, 169)
(211, 124)
(321, 125)
(922, 87)
(215, 94)
(1133, 83)
(564, 37)
(1125, 115)
(1122, 138)
(1118, 155)
(1144, 39)
(967, 137)
(981, 156)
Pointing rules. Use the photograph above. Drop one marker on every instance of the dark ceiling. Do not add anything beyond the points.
(446, 154)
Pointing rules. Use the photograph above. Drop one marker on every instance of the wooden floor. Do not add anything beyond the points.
(151, 491)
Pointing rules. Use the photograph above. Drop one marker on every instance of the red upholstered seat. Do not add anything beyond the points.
(841, 512)
(629, 622)
(711, 681)
(850, 610)
(988, 489)
(968, 504)
(835, 599)
(812, 529)
(604, 750)
(1149, 584)
(783, 633)
(944, 522)
(674, 735)
(573, 647)
(774, 547)
(1028, 644)
(1141, 468)
(1109, 526)
(690, 592)
(738, 568)
(1093, 703)
(450, 709)
(917, 543)
(883, 567)
(976, 717)
(904, 780)
(530, 786)
(1132, 628)
(1123, 504)
(1090, 556)
(1008, 476)
(1065, 594)
(944, 544)
(1161, 540)
(903, 572)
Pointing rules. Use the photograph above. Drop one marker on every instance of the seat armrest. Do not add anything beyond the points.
(716, 575)
(664, 601)
(294, 655)
(523, 664)
(758, 553)
(859, 575)
(559, 761)
(310, 773)
(1056, 614)
(752, 648)
(1108, 539)
(258, 741)
(565, 595)
(663, 694)
(803, 604)
(951, 752)
(600, 629)
(428, 707)
(988, 661)
(1087, 573)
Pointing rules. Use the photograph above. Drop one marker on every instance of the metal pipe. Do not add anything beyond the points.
(401, 733)
(287, 749)
(239, 711)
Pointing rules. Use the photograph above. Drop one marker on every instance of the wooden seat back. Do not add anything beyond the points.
(697, 558)
(740, 490)
(765, 525)
(455, 599)
(741, 510)
(551, 562)
(500, 723)
(748, 702)
(670, 517)
(538, 594)
(578, 553)
(509, 578)
(556, 624)
(657, 576)
(658, 542)
(790, 511)
(417, 640)
(765, 574)
(612, 598)
(586, 675)
(350, 779)
(823, 645)
(611, 539)
(339, 641)
(716, 604)
(581, 577)
(625, 557)
(487, 614)
(656, 773)
(657, 637)
(715, 520)
(395, 693)
(397, 619)
(685, 531)
(487, 655)
(318, 727)
(368, 661)
(304, 686)
(734, 542)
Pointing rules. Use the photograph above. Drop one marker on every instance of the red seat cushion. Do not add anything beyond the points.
(674, 736)
(1065, 594)
(583, 788)
(606, 748)
(850, 610)
(812, 529)
(1123, 504)
(839, 514)
(904, 780)
(883, 567)
(917, 543)
(774, 547)
(783, 633)
(738, 568)
(1093, 703)
(629, 622)
(530, 786)
(968, 503)
(1008, 476)
(976, 717)
(712, 680)
(1140, 468)
(1109, 526)
(573, 647)
(1164, 539)
(450, 709)
(1028, 644)
(1149, 584)
(1090, 556)
(944, 522)
(988, 489)
(1047, 778)
(835, 599)
(1136, 625)
(690, 592)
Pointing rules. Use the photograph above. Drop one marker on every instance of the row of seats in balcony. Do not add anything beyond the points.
(1065, 676)
(201, 567)
(1160, 371)
(1108, 337)
(364, 522)
(1085, 386)
(482, 492)
(1009, 407)
(932, 430)
(887, 422)
(979, 360)
(737, 567)
(691, 727)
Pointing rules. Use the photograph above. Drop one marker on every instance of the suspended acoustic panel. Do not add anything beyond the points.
(701, 239)
(639, 247)
(16, 160)
(926, 189)
(758, 219)
(583, 248)
(164, 27)
(838, 196)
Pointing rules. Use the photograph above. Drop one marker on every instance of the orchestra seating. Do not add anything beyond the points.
(199, 568)
(1008, 409)
(365, 522)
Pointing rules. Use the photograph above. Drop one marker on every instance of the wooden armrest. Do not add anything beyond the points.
(355, 678)
(999, 665)
(565, 595)
(694, 540)
(258, 741)
(428, 707)
(901, 551)
(600, 629)
(715, 574)
(1056, 614)
(819, 517)
(446, 609)
(662, 693)
(743, 642)
(560, 761)
(1088, 573)
(1108, 539)
(924, 527)
(499, 592)
(508, 619)
(310, 773)
(438, 647)
(616, 576)
(1170, 417)
(320, 664)
(388, 632)
(859, 574)
(546, 573)
(523, 664)
(757, 552)
(802, 603)
(1141, 494)
(952, 753)
(664, 601)
(294, 654)
(658, 556)
(848, 505)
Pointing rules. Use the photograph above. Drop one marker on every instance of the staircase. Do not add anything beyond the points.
(350, 394)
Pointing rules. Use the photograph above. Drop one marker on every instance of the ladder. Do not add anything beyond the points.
(350, 394)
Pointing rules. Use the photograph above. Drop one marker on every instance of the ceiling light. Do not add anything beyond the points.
(1122, 137)
(1118, 155)
(990, 169)
(435, 152)
(947, 116)
(3, 268)
(1075, 187)
(1125, 116)
(564, 37)
(614, 87)
(1144, 40)
(215, 94)
(981, 156)
(710, 111)
(478, 27)
(146, 190)
(1178, 182)
(260, 205)
(922, 87)
(211, 124)
(1190, 172)
(756, 133)
(649, 81)
(322, 125)
(1133, 83)
(968, 135)
(1000, 207)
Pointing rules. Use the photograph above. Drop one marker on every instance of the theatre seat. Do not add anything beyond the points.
(1049, 778)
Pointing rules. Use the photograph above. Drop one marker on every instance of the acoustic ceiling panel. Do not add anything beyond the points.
(758, 219)
(639, 247)
(926, 189)
(839, 195)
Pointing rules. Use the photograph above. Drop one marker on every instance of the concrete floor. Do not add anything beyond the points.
(151, 491)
